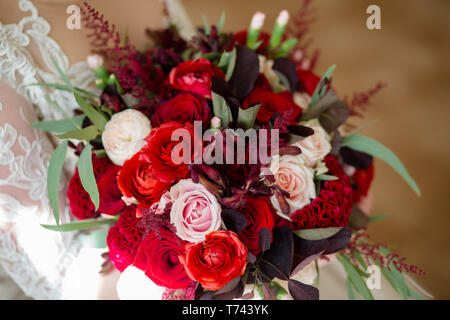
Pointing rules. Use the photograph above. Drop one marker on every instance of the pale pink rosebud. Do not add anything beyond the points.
(94, 61)
(257, 20)
(216, 123)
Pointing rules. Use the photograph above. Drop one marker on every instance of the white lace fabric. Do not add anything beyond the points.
(35, 258)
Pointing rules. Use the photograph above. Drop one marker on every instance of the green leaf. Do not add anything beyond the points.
(206, 25)
(247, 117)
(54, 172)
(221, 109)
(376, 149)
(65, 88)
(317, 234)
(224, 59)
(221, 22)
(325, 177)
(231, 65)
(87, 177)
(322, 86)
(86, 134)
(351, 295)
(379, 217)
(97, 118)
(354, 276)
(360, 259)
(285, 47)
(63, 125)
(62, 75)
(79, 225)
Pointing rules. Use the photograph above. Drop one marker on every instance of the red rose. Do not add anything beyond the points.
(183, 108)
(194, 76)
(111, 202)
(362, 179)
(124, 239)
(159, 148)
(220, 258)
(136, 180)
(259, 214)
(241, 38)
(272, 103)
(308, 80)
(158, 258)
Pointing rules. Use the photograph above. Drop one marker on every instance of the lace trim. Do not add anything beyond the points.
(38, 269)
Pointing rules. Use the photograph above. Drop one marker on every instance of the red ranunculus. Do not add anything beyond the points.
(272, 103)
(124, 239)
(308, 80)
(194, 76)
(111, 202)
(220, 258)
(159, 148)
(241, 38)
(185, 107)
(136, 180)
(362, 179)
(158, 258)
(259, 214)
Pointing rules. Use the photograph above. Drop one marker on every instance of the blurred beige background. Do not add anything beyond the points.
(410, 53)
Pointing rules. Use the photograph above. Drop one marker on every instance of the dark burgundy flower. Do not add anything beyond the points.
(362, 180)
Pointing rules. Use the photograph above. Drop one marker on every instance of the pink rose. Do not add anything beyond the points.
(293, 176)
(195, 211)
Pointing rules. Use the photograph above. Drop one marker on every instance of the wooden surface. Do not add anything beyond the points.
(410, 53)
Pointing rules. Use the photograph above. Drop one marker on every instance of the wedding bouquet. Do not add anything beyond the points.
(222, 167)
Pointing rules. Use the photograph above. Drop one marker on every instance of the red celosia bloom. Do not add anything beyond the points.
(124, 239)
(333, 205)
(363, 180)
(308, 80)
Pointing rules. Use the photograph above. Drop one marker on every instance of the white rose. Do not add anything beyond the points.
(315, 147)
(294, 177)
(265, 67)
(124, 135)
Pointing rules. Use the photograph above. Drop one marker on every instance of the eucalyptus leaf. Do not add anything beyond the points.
(86, 134)
(54, 172)
(95, 238)
(231, 64)
(246, 118)
(350, 293)
(379, 217)
(221, 22)
(221, 109)
(317, 234)
(63, 125)
(354, 276)
(62, 75)
(97, 118)
(87, 177)
(79, 225)
(376, 149)
(63, 87)
(322, 86)
(325, 177)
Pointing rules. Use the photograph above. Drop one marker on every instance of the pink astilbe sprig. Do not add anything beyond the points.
(370, 251)
(299, 28)
(361, 100)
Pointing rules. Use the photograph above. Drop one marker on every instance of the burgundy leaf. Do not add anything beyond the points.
(301, 291)
(288, 69)
(301, 131)
(279, 256)
(359, 160)
(251, 258)
(245, 73)
(358, 219)
(265, 238)
(234, 221)
(305, 262)
(289, 151)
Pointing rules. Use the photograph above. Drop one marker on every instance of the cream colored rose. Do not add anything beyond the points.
(302, 100)
(315, 147)
(124, 135)
(265, 67)
(293, 176)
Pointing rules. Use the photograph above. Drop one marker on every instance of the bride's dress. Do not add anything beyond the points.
(39, 261)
